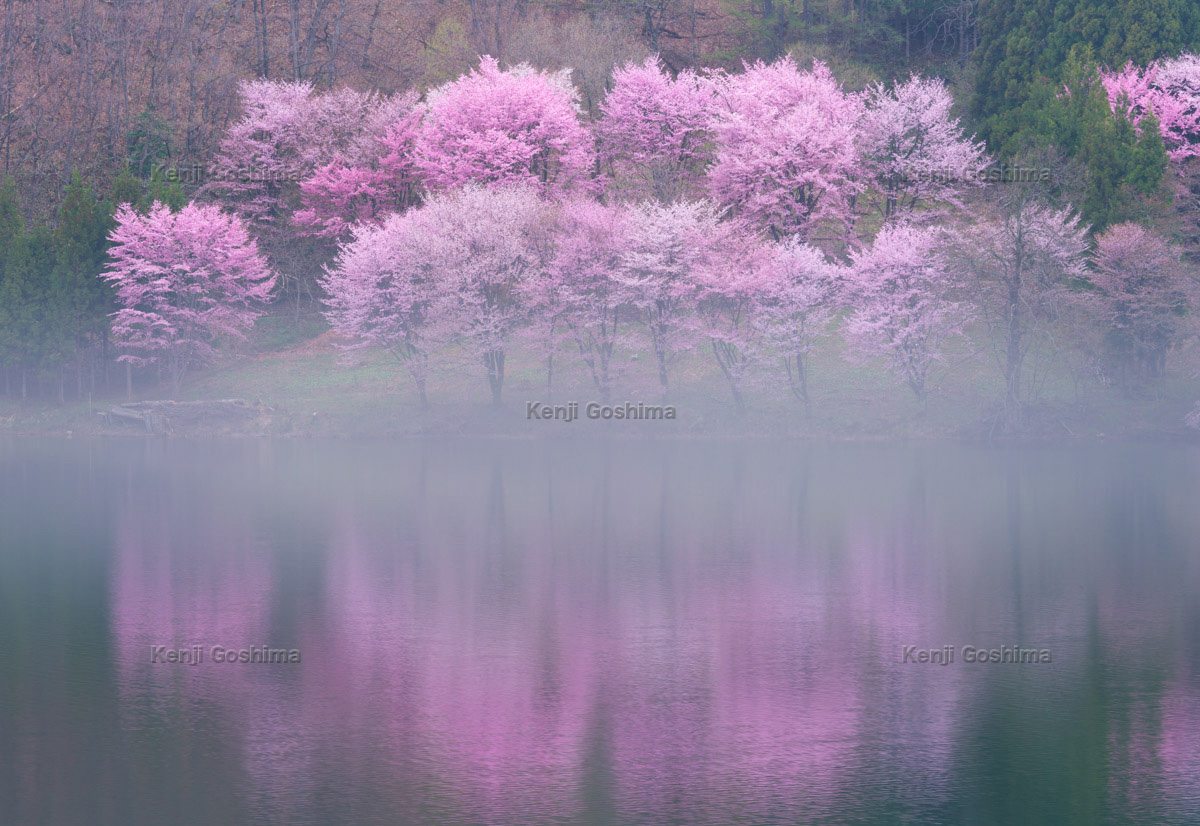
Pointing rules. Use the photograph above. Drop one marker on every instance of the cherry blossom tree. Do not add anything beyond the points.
(913, 150)
(787, 154)
(383, 290)
(1193, 418)
(182, 281)
(456, 269)
(666, 246)
(732, 287)
(487, 244)
(287, 131)
(900, 288)
(654, 131)
(1017, 266)
(798, 310)
(1142, 294)
(520, 125)
(1170, 91)
(584, 276)
(344, 193)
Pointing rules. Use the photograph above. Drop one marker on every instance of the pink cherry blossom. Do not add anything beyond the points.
(521, 125)
(584, 277)
(453, 270)
(901, 289)
(798, 312)
(914, 151)
(182, 281)
(787, 154)
(733, 285)
(286, 133)
(344, 193)
(1170, 91)
(654, 131)
(666, 246)
(382, 290)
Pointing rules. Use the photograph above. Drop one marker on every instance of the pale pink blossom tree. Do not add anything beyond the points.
(1018, 266)
(521, 126)
(787, 149)
(732, 288)
(366, 188)
(384, 287)
(487, 244)
(901, 289)
(1170, 91)
(1193, 418)
(286, 132)
(182, 281)
(914, 152)
(584, 275)
(799, 310)
(654, 131)
(666, 246)
(1142, 294)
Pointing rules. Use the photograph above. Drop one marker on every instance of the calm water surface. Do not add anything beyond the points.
(517, 633)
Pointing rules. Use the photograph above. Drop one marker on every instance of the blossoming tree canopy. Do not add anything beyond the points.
(456, 267)
(1170, 91)
(654, 130)
(288, 131)
(912, 148)
(732, 287)
(787, 153)
(344, 193)
(382, 288)
(517, 125)
(1141, 292)
(182, 281)
(901, 295)
(799, 308)
(668, 244)
(590, 240)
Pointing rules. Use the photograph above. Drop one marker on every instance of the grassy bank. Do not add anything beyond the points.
(301, 381)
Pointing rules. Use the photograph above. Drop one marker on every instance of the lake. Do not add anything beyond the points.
(515, 632)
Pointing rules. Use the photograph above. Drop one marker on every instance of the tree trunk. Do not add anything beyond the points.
(801, 384)
(1012, 355)
(493, 360)
(421, 393)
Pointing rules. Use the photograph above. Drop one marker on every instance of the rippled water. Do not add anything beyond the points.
(516, 633)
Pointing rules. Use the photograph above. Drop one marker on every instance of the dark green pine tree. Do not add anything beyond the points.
(164, 189)
(1124, 163)
(12, 224)
(29, 333)
(83, 300)
(12, 228)
(126, 188)
(1026, 43)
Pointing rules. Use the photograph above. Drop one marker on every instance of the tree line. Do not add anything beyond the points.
(746, 213)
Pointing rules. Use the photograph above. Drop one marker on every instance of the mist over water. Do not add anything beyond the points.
(598, 633)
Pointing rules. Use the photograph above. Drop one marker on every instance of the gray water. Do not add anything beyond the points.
(539, 633)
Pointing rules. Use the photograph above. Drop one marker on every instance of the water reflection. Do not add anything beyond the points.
(559, 633)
